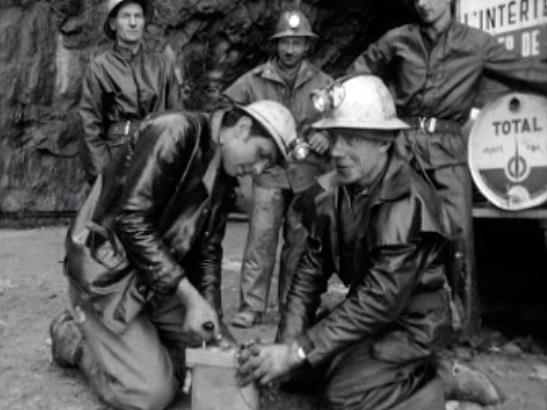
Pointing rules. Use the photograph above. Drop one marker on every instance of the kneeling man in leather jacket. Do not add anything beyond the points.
(144, 253)
(381, 227)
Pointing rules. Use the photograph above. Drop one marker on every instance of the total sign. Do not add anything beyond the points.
(519, 24)
(508, 151)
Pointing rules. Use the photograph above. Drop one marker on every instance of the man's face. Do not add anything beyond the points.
(292, 50)
(246, 152)
(357, 159)
(128, 24)
(431, 11)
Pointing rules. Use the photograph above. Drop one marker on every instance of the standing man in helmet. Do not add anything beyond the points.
(433, 68)
(382, 229)
(288, 78)
(122, 85)
(144, 253)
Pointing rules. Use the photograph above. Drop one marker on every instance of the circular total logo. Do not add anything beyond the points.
(508, 151)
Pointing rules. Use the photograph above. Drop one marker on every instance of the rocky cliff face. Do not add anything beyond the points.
(45, 46)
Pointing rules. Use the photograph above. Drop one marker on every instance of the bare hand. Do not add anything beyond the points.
(200, 319)
(318, 142)
(266, 363)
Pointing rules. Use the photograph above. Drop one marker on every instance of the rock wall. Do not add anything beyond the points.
(45, 46)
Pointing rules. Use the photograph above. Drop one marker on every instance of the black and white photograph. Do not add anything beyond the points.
(273, 205)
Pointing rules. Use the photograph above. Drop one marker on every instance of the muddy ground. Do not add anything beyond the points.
(32, 290)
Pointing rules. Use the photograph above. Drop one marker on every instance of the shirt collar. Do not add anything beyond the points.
(126, 53)
(427, 32)
(306, 71)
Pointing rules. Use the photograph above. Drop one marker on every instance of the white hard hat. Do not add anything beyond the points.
(113, 5)
(293, 23)
(359, 102)
(277, 120)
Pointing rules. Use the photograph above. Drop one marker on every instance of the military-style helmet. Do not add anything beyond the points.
(277, 120)
(112, 7)
(357, 102)
(293, 24)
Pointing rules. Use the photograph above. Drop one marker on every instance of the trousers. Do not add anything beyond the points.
(355, 380)
(141, 368)
(442, 158)
(453, 184)
(272, 209)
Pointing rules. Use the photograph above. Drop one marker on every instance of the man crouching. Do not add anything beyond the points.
(382, 229)
(144, 253)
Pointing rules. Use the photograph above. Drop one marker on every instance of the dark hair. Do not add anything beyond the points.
(143, 3)
(233, 114)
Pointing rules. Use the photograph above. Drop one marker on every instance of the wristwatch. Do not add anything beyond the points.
(301, 354)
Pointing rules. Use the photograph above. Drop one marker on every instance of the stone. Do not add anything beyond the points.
(511, 349)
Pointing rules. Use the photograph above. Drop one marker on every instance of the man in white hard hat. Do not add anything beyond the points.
(434, 68)
(122, 85)
(382, 229)
(144, 253)
(288, 78)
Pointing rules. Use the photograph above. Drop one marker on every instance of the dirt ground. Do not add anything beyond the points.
(32, 290)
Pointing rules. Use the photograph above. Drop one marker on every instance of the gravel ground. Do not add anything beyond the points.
(32, 290)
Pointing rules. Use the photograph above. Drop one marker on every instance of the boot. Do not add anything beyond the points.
(66, 340)
(468, 385)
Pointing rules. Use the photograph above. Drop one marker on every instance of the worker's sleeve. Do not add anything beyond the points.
(94, 151)
(161, 155)
(376, 57)
(371, 305)
(239, 92)
(512, 69)
(309, 282)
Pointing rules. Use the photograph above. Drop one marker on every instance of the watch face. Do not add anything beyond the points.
(301, 354)
(508, 151)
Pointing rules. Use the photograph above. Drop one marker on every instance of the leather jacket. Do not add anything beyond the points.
(156, 215)
(119, 87)
(398, 297)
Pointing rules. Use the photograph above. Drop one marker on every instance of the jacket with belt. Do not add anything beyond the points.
(118, 87)
(440, 78)
(156, 215)
(265, 83)
(398, 298)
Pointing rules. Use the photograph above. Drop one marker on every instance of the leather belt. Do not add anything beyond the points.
(430, 125)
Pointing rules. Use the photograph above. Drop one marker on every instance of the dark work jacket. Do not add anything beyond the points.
(119, 87)
(398, 297)
(443, 81)
(157, 214)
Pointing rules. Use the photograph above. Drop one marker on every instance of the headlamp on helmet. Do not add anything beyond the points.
(329, 98)
(299, 149)
(294, 21)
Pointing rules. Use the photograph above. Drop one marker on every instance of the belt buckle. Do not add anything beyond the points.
(127, 127)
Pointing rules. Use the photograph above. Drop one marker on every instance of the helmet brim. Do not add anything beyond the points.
(330, 123)
(285, 34)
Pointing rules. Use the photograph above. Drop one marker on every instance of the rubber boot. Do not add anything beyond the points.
(66, 340)
(465, 384)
